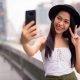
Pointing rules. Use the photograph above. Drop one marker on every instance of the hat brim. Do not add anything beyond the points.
(55, 9)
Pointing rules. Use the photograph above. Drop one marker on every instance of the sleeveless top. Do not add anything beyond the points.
(59, 63)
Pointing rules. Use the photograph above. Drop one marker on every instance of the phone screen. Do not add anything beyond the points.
(30, 15)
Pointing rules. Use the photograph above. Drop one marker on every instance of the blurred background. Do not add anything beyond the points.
(14, 63)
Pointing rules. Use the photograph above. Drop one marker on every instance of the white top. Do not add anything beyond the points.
(59, 63)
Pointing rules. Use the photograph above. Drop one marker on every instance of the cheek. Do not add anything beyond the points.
(55, 22)
(67, 27)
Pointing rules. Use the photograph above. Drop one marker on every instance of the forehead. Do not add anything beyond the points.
(64, 14)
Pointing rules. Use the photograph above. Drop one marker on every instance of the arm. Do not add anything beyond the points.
(28, 33)
(76, 42)
(77, 58)
(31, 50)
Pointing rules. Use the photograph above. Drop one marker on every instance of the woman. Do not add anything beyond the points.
(60, 50)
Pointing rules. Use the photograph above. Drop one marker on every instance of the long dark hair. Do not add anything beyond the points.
(51, 40)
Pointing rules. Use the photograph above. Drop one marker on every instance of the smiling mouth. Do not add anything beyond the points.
(58, 28)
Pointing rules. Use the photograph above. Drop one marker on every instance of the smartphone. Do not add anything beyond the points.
(29, 16)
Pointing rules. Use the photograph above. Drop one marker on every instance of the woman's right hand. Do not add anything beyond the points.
(28, 32)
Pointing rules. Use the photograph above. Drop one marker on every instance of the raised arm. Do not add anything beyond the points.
(76, 42)
(28, 33)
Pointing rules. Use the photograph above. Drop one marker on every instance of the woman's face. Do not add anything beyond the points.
(61, 22)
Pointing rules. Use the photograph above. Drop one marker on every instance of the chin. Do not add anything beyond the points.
(58, 32)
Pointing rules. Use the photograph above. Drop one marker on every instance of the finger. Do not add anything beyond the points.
(32, 37)
(25, 32)
(32, 29)
(71, 32)
(75, 31)
(29, 25)
(76, 37)
(33, 33)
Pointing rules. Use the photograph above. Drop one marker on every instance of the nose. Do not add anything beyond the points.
(61, 23)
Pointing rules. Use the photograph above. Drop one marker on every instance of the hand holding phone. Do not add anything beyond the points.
(30, 15)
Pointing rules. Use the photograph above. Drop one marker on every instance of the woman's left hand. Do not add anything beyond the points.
(75, 38)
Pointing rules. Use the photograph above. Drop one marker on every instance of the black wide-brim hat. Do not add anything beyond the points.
(65, 7)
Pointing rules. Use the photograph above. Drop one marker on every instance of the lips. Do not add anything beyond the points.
(58, 28)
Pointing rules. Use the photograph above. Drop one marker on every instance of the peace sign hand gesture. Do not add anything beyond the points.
(75, 38)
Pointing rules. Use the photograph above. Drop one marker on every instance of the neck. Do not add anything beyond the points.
(58, 36)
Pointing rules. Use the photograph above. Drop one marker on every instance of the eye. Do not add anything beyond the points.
(67, 22)
(59, 18)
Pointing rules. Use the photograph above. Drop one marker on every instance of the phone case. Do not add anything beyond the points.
(30, 15)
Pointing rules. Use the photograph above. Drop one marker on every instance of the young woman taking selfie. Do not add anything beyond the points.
(61, 48)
